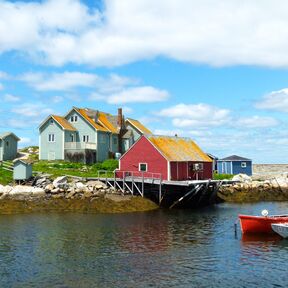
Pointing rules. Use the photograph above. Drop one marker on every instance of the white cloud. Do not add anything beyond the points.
(32, 110)
(196, 115)
(11, 98)
(3, 75)
(68, 81)
(209, 32)
(257, 122)
(144, 94)
(276, 100)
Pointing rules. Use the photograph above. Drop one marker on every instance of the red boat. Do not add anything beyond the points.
(260, 224)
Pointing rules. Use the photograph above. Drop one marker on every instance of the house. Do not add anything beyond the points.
(235, 165)
(214, 159)
(171, 158)
(87, 135)
(8, 146)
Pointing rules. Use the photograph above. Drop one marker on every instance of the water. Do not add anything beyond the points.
(155, 249)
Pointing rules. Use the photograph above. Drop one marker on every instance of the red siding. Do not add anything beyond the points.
(144, 152)
(181, 174)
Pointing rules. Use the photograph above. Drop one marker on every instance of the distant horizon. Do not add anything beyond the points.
(222, 82)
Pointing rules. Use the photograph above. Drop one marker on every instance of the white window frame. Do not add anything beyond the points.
(72, 118)
(51, 138)
(243, 164)
(75, 118)
(139, 167)
(72, 138)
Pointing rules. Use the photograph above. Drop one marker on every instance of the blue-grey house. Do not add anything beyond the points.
(87, 135)
(234, 165)
(8, 146)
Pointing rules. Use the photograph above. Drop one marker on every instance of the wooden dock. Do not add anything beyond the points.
(188, 194)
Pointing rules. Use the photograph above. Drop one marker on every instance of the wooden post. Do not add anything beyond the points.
(160, 190)
(142, 184)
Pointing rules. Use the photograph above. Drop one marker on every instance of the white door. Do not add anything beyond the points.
(51, 155)
(224, 167)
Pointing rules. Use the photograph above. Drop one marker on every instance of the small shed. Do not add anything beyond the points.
(214, 159)
(174, 158)
(22, 170)
(235, 165)
(8, 146)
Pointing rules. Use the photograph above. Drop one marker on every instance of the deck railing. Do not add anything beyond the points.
(80, 145)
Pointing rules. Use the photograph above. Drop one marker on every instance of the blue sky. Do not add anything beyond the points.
(215, 71)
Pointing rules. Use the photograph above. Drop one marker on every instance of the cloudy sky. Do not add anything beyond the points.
(213, 70)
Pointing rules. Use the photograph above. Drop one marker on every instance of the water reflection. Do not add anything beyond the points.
(154, 249)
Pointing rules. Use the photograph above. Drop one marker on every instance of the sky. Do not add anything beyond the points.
(212, 70)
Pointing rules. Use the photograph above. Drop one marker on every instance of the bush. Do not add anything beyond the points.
(110, 164)
(217, 176)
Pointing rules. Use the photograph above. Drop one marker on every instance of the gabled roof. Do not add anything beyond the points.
(63, 123)
(139, 126)
(109, 121)
(84, 114)
(6, 134)
(178, 149)
(235, 158)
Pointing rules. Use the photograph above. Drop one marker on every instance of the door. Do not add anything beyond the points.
(51, 155)
(224, 167)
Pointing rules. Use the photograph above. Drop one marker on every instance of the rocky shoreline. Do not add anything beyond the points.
(248, 189)
(62, 195)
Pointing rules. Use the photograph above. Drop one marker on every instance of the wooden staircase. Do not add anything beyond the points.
(6, 166)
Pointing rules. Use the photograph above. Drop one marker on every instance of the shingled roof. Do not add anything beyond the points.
(235, 158)
(139, 126)
(6, 134)
(63, 123)
(178, 149)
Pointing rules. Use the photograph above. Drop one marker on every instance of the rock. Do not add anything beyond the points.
(59, 181)
(40, 181)
(38, 192)
(5, 189)
(71, 194)
(242, 178)
(118, 198)
(88, 194)
(49, 187)
(55, 191)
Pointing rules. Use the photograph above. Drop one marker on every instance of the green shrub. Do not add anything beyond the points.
(217, 176)
(110, 164)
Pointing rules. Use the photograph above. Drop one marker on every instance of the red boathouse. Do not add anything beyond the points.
(174, 158)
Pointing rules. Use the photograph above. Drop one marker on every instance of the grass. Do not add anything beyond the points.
(61, 168)
(217, 176)
(6, 177)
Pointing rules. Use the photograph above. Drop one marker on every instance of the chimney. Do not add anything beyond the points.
(120, 126)
(120, 118)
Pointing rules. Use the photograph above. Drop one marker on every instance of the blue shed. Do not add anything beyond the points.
(234, 165)
(22, 169)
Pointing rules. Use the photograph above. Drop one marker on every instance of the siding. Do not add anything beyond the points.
(136, 133)
(114, 147)
(22, 171)
(103, 146)
(9, 152)
(237, 169)
(49, 149)
(224, 167)
(144, 152)
(83, 128)
(182, 171)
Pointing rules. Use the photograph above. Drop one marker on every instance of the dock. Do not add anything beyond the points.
(170, 194)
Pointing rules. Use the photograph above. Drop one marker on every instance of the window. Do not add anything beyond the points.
(143, 167)
(102, 138)
(7, 143)
(75, 118)
(115, 141)
(86, 138)
(243, 164)
(72, 118)
(72, 137)
(51, 122)
(51, 138)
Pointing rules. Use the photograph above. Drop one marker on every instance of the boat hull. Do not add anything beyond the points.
(281, 229)
(260, 224)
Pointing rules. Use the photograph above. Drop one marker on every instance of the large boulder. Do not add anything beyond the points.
(60, 181)
(242, 178)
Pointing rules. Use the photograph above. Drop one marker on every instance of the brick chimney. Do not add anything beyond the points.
(120, 124)
(120, 119)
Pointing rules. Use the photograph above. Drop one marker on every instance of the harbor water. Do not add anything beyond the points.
(163, 248)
